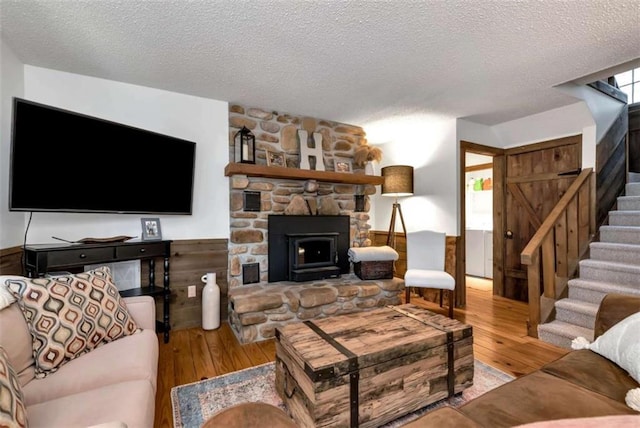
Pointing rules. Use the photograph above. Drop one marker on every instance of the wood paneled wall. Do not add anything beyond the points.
(611, 166)
(634, 138)
(190, 259)
(452, 266)
(11, 261)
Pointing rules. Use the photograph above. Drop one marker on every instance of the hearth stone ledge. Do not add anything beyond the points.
(255, 311)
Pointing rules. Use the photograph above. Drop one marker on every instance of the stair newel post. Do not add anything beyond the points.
(573, 245)
(549, 266)
(533, 278)
(562, 268)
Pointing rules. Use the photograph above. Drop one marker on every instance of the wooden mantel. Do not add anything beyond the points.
(252, 170)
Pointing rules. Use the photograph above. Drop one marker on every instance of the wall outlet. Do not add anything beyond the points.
(191, 291)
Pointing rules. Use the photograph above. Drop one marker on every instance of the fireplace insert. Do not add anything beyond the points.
(307, 248)
(311, 254)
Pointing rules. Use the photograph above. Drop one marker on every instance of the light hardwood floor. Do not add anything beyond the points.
(499, 336)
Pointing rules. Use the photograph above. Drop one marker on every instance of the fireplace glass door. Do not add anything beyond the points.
(313, 256)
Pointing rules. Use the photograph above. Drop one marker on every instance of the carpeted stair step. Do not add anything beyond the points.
(612, 272)
(633, 177)
(620, 253)
(561, 334)
(628, 203)
(620, 234)
(624, 218)
(577, 312)
(632, 189)
(613, 267)
(594, 291)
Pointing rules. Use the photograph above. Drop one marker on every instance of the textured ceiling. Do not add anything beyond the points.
(355, 61)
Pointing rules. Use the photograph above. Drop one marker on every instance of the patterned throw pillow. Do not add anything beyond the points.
(70, 315)
(12, 409)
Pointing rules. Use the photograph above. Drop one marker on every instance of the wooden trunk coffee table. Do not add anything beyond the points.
(369, 368)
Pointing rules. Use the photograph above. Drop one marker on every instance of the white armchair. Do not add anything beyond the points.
(425, 264)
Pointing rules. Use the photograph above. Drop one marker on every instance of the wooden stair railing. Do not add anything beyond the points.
(553, 253)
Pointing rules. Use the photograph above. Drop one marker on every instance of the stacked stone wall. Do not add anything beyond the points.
(277, 132)
(255, 312)
(257, 309)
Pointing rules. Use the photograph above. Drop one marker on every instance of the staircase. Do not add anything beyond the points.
(613, 266)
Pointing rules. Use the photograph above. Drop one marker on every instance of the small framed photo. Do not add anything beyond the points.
(343, 165)
(151, 229)
(276, 159)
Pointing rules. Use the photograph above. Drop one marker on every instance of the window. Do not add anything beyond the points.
(629, 83)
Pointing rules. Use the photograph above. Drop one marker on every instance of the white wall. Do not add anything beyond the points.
(11, 85)
(202, 120)
(479, 203)
(557, 123)
(429, 145)
(476, 133)
(604, 109)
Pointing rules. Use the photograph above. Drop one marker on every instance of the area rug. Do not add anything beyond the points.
(196, 402)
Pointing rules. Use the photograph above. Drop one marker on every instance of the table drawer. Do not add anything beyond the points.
(80, 256)
(152, 249)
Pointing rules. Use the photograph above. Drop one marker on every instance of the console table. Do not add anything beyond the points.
(43, 258)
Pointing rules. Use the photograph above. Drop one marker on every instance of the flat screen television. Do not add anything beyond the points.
(63, 161)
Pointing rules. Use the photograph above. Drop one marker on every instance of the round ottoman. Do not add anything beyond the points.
(250, 415)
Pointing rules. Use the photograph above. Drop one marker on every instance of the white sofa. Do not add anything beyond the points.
(113, 384)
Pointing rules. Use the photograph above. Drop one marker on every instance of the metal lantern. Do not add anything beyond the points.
(245, 146)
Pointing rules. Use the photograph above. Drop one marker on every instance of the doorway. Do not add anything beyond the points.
(479, 215)
(536, 177)
(527, 183)
(481, 171)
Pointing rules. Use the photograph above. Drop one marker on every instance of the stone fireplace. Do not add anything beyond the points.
(287, 260)
(277, 132)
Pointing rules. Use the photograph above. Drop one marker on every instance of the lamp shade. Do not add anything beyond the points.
(398, 180)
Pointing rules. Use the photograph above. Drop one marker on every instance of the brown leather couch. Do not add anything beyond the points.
(581, 384)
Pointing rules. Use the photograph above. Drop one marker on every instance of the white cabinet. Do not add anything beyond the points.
(475, 252)
(479, 253)
(488, 254)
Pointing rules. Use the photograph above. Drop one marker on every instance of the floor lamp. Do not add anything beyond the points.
(398, 181)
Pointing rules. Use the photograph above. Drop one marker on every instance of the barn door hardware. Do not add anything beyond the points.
(576, 171)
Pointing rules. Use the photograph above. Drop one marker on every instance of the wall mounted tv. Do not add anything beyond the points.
(63, 161)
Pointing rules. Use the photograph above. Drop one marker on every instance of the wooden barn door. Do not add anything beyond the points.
(536, 177)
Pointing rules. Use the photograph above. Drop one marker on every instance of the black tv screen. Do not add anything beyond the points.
(70, 162)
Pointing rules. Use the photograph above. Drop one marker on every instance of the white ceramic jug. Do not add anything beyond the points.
(210, 302)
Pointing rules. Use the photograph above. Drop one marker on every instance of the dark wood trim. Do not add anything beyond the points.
(480, 149)
(607, 89)
(499, 223)
(461, 289)
(572, 139)
(299, 174)
(478, 167)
